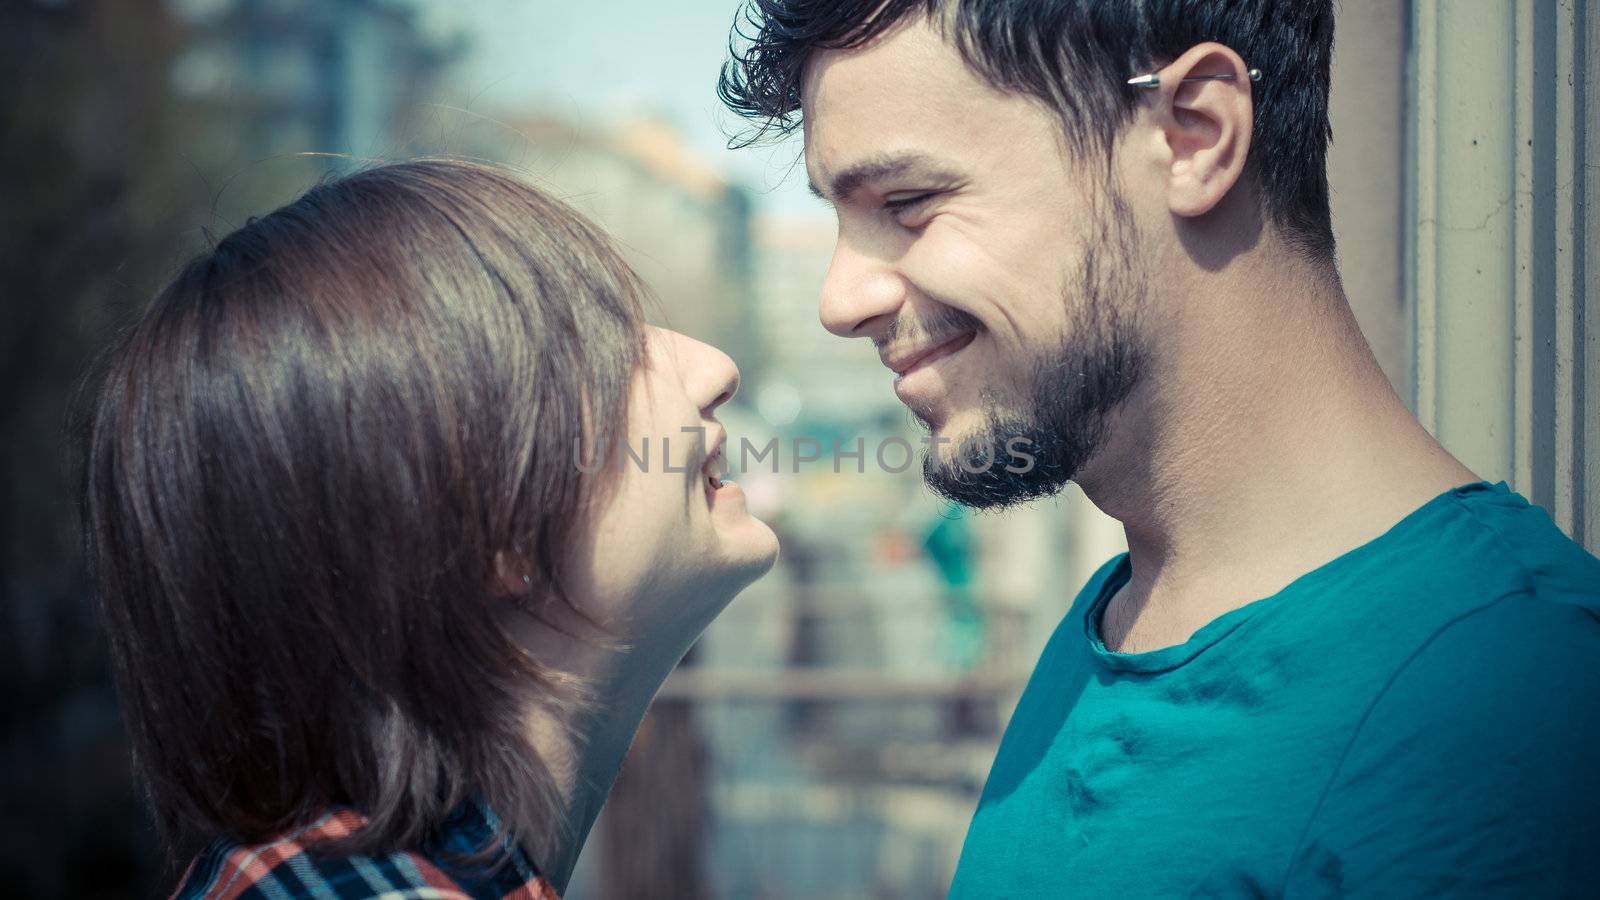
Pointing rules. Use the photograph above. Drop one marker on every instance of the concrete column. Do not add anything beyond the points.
(1502, 215)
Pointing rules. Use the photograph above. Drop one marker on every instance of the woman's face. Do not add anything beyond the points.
(672, 543)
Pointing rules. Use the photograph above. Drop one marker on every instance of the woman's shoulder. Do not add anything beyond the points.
(291, 867)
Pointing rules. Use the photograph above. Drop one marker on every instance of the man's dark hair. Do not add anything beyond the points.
(1075, 56)
(302, 462)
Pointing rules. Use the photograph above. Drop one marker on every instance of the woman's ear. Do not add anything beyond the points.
(1203, 128)
(513, 576)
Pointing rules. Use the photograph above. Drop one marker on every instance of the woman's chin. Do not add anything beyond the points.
(749, 551)
(709, 586)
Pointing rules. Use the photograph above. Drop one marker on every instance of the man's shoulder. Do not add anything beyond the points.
(1473, 765)
(1487, 544)
(1470, 769)
(1552, 566)
(1509, 682)
(1547, 628)
(1515, 625)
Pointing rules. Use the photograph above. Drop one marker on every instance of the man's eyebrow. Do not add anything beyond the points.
(875, 168)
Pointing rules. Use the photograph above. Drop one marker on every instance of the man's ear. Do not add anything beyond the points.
(1204, 127)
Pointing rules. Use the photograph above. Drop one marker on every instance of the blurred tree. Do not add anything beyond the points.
(86, 175)
(112, 156)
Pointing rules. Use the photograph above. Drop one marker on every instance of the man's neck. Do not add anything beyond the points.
(1266, 443)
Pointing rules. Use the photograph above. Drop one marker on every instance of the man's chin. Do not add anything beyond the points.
(950, 430)
(995, 461)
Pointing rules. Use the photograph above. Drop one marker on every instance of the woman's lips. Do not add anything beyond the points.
(712, 472)
(723, 490)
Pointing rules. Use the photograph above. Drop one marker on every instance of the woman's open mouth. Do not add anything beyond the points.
(712, 472)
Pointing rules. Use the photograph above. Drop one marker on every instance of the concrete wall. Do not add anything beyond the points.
(1503, 206)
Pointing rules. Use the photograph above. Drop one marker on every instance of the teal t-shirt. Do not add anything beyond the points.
(1417, 718)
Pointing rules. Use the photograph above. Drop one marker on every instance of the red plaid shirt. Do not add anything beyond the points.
(285, 870)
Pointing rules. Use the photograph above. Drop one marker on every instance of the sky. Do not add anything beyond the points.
(602, 60)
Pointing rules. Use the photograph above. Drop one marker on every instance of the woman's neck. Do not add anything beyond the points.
(583, 745)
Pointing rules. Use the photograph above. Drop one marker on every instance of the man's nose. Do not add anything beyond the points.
(861, 295)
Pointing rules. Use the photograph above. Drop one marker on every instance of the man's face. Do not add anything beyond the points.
(996, 277)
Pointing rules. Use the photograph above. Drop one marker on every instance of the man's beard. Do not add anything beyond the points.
(1075, 389)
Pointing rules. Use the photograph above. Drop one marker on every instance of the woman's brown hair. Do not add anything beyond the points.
(302, 461)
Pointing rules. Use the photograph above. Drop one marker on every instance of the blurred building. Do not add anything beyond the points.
(681, 224)
(813, 374)
(342, 78)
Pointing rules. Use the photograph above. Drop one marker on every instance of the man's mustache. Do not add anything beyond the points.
(941, 323)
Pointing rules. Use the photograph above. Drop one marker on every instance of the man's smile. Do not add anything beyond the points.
(908, 358)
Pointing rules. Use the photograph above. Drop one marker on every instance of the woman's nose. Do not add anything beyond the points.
(722, 376)
(709, 376)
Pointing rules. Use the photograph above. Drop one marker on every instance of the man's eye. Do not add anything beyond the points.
(902, 204)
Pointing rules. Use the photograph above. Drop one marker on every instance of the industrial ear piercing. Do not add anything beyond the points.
(1153, 80)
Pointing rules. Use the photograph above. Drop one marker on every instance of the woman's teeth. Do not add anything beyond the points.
(714, 469)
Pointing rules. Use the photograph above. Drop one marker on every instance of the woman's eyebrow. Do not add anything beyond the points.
(876, 168)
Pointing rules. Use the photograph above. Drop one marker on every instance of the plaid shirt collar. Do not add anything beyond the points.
(284, 870)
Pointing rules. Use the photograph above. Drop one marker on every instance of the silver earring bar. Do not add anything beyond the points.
(1154, 81)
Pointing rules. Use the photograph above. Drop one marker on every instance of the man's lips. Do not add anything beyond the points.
(905, 361)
